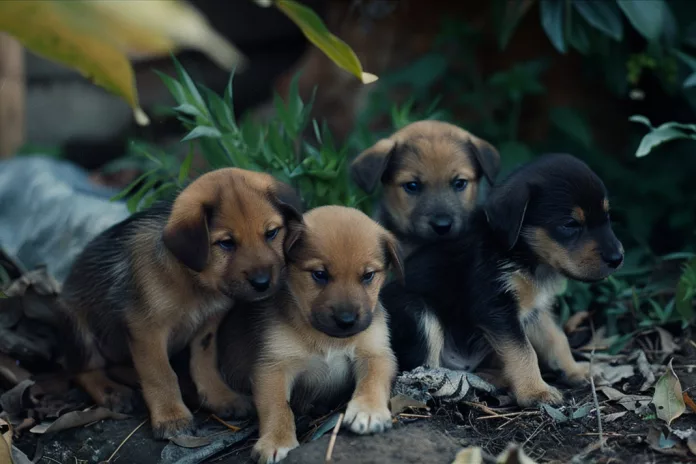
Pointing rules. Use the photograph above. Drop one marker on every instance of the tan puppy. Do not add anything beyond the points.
(430, 172)
(150, 285)
(326, 328)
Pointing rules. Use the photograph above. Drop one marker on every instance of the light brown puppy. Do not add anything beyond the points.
(326, 328)
(150, 285)
(431, 173)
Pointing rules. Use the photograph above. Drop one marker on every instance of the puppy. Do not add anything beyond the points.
(493, 288)
(150, 285)
(324, 330)
(431, 173)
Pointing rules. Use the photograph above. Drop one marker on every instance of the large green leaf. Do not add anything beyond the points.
(648, 17)
(552, 21)
(602, 15)
(316, 32)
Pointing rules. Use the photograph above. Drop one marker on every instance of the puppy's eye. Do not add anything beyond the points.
(413, 187)
(321, 277)
(227, 244)
(570, 227)
(271, 234)
(459, 184)
(367, 277)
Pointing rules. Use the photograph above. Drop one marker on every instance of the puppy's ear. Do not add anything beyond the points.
(366, 170)
(290, 206)
(186, 234)
(487, 157)
(505, 209)
(392, 250)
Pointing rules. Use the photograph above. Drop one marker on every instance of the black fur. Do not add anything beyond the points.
(460, 282)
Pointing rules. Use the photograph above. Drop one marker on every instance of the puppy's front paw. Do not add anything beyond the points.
(230, 404)
(534, 397)
(579, 375)
(119, 398)
(271, 449)
(174, 420)
(363, 417)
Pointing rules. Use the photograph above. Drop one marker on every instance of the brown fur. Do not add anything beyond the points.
(301, 345)
(435, 154)
(176, 273)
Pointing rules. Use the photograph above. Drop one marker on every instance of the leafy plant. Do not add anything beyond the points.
(97, 37)
(664, 133)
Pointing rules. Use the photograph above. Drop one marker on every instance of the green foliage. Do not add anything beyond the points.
(665, 133)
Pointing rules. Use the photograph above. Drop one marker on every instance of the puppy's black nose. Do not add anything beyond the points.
(613, 259)
(345, 318)
(441, 224)
(260, 280)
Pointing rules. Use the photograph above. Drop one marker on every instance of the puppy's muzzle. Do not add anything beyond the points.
(441, 224)
(260, 279)
(341, 320)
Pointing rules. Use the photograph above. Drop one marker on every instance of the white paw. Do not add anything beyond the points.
(363, 419)
(269, 451)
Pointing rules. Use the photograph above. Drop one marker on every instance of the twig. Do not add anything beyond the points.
(594, 396)
(510, 414)
(124, 441)
(482, 407)
(332, 441)
(417, 416)
(234, 428)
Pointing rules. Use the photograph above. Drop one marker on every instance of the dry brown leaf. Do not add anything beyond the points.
(614, 416)
(629, 402)
(401, 403)
(666, 341)
(689, 402)
(665, 443)
(76, 419)
(611, 375)
(575, 321)
(668, 398)
(646, 371)
(190, 441)
(469, 455)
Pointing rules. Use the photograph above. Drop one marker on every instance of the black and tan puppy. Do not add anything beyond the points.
(493, 288)
(326, 331)
(431, 173)
(164, 278)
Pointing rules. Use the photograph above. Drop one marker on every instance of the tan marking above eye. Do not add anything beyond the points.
(578, 214)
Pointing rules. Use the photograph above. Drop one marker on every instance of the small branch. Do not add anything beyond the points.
(594, 396)
(332, 441)
(511, 414)
(482, 407)
(124, 441)
(234, 428)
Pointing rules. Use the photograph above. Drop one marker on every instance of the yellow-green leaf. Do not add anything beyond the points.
(668, 398)
(96, 37)
(316, 32)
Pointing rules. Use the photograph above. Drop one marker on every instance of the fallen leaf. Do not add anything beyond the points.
(469, 455)
(666, 341)
(665, 444)
(575, 321)
(668, 398)
(175, 454)
(555, 414)
(611, 375)
(326, 427)
(582, 411)
(689, 437)
(190, 441)
(401, 403)
(600, 341)
(16, 401)
(629, 402)
(645, 370)
(689, 402)
(78, 418)
(513, 454)
(614, 416)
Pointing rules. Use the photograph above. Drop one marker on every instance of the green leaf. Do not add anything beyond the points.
(514, 12)
(202, 131)
(668, 399)
(690, 81)
(187, 108)
(686, 290)
(189, 86)
(641, 120)
(573, 124)
(174, 87)
(555, 414)
(579, 37)
(688, 60)
(552, 21)
(602, 15)
(316, 32)
(648, 17)
(123, 193)
(134, 201)
(657, 137)
(186, 166)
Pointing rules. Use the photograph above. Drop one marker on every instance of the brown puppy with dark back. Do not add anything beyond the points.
(431, 174)
(150, 285)
(326, 328)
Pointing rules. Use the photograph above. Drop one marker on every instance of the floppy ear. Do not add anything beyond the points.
(392, 250)
(366, 170)
(487, 157)
(505, 211)
(186, 234)
(290, 206)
